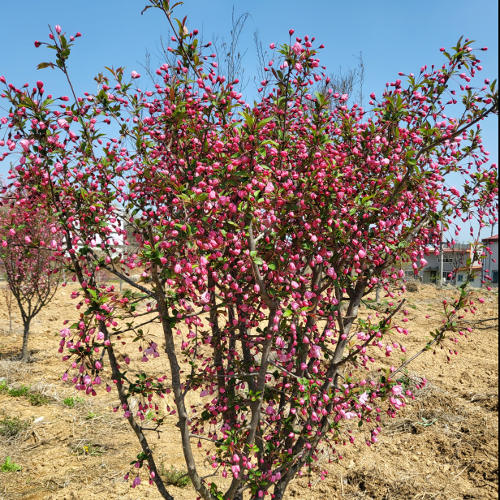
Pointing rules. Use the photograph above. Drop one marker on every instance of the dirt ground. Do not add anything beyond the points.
(443, 445)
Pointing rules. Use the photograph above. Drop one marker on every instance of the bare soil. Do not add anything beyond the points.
(443, 445)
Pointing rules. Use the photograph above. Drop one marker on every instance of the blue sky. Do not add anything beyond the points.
(392, 35)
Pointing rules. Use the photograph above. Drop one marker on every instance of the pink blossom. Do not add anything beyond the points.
(331, 272)
(205, 298)
(25, 144)
(315, 351)
(397, 390)
(269, 187)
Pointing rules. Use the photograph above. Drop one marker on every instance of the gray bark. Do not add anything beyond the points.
(25, 354)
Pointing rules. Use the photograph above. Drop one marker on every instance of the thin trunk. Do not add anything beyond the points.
(26, 334)
(281, 486)
(122, 394)
(377, 294)
(178, 389)
(131, 420)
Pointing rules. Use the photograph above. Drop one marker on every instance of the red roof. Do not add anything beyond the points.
(466, 268)
(460, 250)
(491, 238)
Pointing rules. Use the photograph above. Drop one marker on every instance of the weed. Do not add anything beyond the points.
(88, 450)
(3, 386)
(91, 415)
(12, 426)
(175, 476)
(72, 401)
(38, 399)
(10, 466)
(21, 391)
(150, 415)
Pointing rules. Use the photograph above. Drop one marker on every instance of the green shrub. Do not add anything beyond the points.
(12, 426)
(10, 466)
(20, 391)
(38, 399)
(72, 401)
(175, 476)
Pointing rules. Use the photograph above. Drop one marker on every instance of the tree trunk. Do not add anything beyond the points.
(377, 294)
(25, 353)
(280, 488)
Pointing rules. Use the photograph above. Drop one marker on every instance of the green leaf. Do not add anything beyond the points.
(263, 122)
(45, 65)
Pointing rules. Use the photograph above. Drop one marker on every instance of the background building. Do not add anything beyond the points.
(454, 258)
(490, 262)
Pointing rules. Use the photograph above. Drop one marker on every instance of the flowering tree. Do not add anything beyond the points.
(260, 231)
(28, 244)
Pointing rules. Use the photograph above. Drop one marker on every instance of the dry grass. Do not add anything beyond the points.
(443, 445)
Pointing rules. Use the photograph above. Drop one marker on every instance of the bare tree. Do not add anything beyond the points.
(229, 56)
(361, 77)
(262, 57)
(344, 82)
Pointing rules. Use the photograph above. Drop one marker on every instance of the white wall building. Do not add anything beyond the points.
(490, 262)
(454, 259)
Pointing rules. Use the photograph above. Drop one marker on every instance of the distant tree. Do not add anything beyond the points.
(28, 249)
